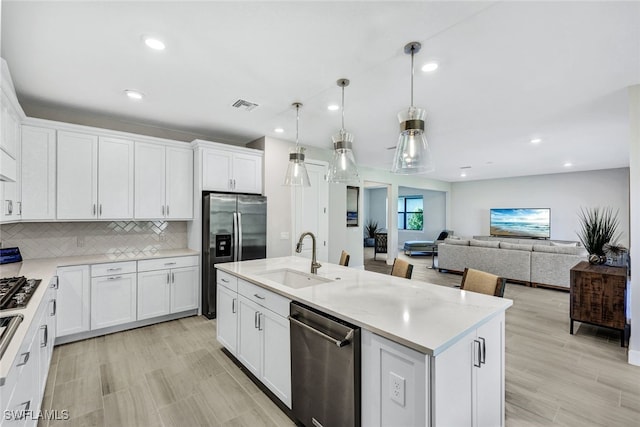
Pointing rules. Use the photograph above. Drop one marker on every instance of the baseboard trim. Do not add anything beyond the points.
(634, 357)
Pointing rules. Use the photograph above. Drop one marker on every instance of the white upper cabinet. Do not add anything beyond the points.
(236, 170)
(163, 182)
(38, 177)
(95, 177)
(77, 173)
(115, 178)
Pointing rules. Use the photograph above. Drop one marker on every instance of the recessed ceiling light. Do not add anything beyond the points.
(134, 94)
(536, 140)
(333, 107)
(154, 44)
(430, 66)
(568, 164)
(278, 130)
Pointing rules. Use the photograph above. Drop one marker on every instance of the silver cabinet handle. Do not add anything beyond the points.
(477, 354)
(168, 281)
(339, 343)
(26, 405)
(54, 307)
(19, 207)
(173, 278)
(255, 320)
(10, 207)
(258, 296)
(483, 352)
(230, 184)
(170, 263)
(233, 305)
(93, 211)
(100, 210)
(224, 280)
(114, 277)
(25, 358)
(114, 269)
(260, 321)
(45, 336)
(162, 210)
(167, 210)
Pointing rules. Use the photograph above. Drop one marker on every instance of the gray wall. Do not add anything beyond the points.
(375, 203)
(563, 193)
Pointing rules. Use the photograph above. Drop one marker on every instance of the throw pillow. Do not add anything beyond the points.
(458, 242)
(569, 250)
(516, 246)
(568, 245)
(484, 243)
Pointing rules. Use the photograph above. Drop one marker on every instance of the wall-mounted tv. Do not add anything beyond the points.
(517, 222)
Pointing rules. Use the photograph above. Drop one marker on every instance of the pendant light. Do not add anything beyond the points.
(412, 152)
(297, 175)
(343, 165)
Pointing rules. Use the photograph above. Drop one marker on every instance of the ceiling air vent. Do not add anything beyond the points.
(246, 105)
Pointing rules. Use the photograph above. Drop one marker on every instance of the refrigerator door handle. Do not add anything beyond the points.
(235, 236)
(239, 236)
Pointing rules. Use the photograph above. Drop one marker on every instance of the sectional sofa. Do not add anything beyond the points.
(532, 262)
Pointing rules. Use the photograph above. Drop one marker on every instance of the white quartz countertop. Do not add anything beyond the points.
(45, 269)
(425, 317)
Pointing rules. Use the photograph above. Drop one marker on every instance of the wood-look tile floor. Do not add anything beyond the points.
(175, 374)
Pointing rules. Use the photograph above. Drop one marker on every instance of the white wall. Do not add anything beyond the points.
(375, 206)
(563, 193)
(634, 172)
(435, 215)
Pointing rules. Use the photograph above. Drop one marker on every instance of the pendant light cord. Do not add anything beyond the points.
(297, 123)
(343, 108)
(412, 52)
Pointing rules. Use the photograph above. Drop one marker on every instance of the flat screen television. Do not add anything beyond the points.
(518, 222)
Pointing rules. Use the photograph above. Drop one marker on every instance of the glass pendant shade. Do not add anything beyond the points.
(343, 165)
(412, 152)
(297, 175)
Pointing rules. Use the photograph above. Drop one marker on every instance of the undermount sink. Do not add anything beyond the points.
(293, 278)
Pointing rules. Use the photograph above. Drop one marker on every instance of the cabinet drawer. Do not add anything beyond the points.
(274, 302)
(113, 268)
(227, 280)
(165, 263)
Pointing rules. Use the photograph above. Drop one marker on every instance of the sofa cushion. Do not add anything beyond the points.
(515, 246)
(459, 242)
(568, 245)
(484, 243)
(569, 250)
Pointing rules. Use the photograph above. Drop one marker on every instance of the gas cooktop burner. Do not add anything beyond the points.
(15, 292)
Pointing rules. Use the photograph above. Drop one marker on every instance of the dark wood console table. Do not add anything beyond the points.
(599, 297)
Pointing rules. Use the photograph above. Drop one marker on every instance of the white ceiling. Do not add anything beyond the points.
(509, 71)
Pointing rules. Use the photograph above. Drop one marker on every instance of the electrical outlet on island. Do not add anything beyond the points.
(396, 388)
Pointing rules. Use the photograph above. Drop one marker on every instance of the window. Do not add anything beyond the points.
(410, 213)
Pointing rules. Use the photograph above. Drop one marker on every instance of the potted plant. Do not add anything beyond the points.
(370, 229)
(616, 254)
(598, 227)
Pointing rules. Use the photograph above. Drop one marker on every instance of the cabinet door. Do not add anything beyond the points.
(25, 396)
(249, 344)
(38, 173)
(179, 183)
(154, 293)
(115, 179)
(276, 355)
(10, 124)
(77, 176)
(150, 181)
(113, 300)
(227, 318)
(489, 377)
(247, 173)
(184, 289)
(73, 302)
(216, 170)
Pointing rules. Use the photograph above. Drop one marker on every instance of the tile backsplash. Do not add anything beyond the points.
(56, 239)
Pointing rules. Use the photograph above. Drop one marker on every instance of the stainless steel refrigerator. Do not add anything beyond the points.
(234, 228)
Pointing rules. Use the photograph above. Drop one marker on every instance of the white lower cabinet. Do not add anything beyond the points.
(23, 389)
(167, 285)
(113, 300)
(461, 386)
(74, 302)
(253, 325)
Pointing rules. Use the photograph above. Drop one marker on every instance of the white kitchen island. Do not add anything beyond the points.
(431, 355)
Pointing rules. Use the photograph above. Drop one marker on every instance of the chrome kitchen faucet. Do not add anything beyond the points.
(315, 265)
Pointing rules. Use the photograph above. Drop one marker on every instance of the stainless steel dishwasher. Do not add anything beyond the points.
(325, 369)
